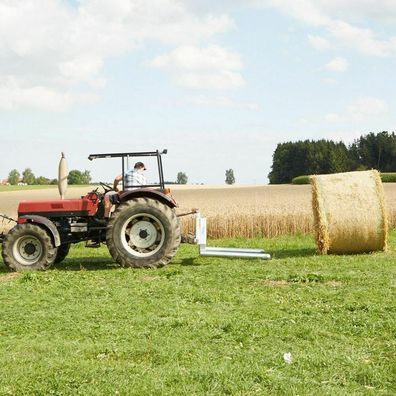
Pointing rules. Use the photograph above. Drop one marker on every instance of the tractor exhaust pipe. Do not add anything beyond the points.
(62, 176)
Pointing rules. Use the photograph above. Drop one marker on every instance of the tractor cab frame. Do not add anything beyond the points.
(125, 157)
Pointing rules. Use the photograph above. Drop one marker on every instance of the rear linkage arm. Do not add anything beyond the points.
(9, 220)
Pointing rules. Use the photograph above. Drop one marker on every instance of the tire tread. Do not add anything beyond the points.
(123, 259)
(16, 232)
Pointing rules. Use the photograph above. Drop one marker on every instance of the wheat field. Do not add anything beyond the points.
(232, 211)
(252, 211)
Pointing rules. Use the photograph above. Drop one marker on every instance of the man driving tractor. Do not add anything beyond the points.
(134, 177)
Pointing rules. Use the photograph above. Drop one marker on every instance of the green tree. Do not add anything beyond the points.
(41, 180)
(13, 177)
(181, 178)
(78, 177)
(375, 151)
(230, 178)
(28, 176)
(86, 177)
(292, 159)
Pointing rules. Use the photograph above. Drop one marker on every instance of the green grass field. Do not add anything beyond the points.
(203, 325)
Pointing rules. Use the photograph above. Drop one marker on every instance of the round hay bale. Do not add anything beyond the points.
(349, 212)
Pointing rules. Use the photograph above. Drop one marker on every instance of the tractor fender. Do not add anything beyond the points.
(147, 193)
(48, 224)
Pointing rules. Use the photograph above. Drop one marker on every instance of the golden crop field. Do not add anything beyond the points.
(257, 210)
(232, 211)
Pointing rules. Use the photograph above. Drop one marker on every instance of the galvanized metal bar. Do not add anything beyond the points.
(241, 250)
(207, 251)
(202, 231)
(123, 173)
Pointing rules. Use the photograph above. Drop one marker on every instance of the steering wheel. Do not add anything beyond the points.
(106, 187)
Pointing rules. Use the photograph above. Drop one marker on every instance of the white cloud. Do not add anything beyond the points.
(336, 18)
(320, 43)
(362, 40)
(211, 67)
(320, 11)
(366, 106)
(384, 10)
(329, 81)
(333, 117)
(221, 101)
(220, 80)
(196, 59)
(360, 109)
(13, 96)
(304, 10)
(61, 49)
(337, 65)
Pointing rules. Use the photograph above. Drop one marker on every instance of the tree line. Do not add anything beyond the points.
(308, 157)
(182, 177)
(84, 177)
(27, 177)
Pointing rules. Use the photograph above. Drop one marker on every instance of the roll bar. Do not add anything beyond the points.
(126, 156)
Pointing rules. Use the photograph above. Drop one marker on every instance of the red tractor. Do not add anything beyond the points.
(139, 225)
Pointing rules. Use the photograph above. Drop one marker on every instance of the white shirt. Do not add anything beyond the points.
(134, 178)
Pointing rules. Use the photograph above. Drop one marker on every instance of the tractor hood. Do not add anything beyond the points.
(59, 208)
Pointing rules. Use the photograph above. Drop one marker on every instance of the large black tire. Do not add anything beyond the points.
(63, 251)
(28, 247)
(143, 233)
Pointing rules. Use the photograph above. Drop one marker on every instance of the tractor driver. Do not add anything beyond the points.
(133, 177)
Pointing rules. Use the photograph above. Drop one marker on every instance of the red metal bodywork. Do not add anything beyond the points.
(86, 206)
(166, 199)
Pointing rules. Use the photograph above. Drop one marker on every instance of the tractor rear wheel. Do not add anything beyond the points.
(28, 247)
(63, 251)
(143, 233)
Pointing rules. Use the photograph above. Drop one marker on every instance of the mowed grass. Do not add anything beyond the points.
(203, 325)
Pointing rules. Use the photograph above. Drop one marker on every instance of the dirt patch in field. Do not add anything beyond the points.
(284, 282)
(275, 283)
(9, 276)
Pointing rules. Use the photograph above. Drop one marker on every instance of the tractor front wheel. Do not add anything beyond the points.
(28, 247)
(63, 251)
(143, 233)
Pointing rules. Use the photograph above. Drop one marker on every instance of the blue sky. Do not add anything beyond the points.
(219, 86)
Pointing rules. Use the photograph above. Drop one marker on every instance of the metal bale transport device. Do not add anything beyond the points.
(139, 225)
(200, 235)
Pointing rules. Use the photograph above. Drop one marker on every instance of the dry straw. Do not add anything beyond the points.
(349, 212)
